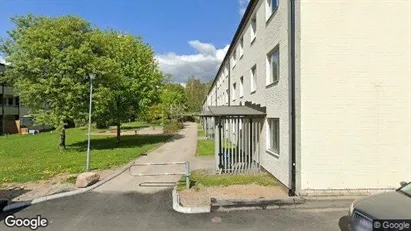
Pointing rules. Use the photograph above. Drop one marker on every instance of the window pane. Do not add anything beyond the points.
(273, 139)
(253, 27)
(274, 5)
(253, 78)
(277, 136)
(274, 66)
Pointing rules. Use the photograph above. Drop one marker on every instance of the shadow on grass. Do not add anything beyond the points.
(114, 130)
(134, 127)
(126, 141)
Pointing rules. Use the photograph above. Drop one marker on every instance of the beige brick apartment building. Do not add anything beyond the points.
(333, 79)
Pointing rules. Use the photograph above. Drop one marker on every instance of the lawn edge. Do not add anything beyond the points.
(23, 204)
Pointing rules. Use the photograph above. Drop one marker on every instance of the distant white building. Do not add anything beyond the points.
(330, 85)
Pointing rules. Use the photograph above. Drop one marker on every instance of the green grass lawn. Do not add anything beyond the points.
(203, 178)
(205, 147)
(34, 157)
(201, 133)
(200, 130)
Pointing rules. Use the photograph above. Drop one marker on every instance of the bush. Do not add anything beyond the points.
(80, 123)
(188, 118)
(173, 127)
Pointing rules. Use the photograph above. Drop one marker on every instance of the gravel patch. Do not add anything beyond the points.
(201, 196)
(30, 190)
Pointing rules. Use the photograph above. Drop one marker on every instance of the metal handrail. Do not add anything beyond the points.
(186, 173)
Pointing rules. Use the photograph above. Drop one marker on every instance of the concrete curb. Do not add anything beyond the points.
(329, 203)
(322, 203)
(18, 205)
(187, 210)
(274, 203)
(331, 198)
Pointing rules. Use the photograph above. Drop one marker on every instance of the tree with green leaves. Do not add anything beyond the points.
(195, 92)
(138, 80)
(52, 59)
(173, 101)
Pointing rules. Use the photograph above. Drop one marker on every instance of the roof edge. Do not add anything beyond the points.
(240, 28)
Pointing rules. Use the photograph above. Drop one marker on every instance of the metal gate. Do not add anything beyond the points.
(186, 173)
(238, 144)
(208, 126)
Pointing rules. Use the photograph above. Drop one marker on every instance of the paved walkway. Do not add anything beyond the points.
(121, 204)
(203, 162)
(182, 148)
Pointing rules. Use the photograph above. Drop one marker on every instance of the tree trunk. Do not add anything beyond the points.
(62, 144)
(118, 132)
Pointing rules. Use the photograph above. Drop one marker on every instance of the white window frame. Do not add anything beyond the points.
(253, 79)
(241, 87)
(270, 77)
(271, 7)
(233, 96)
(253, 28)
(273, 136)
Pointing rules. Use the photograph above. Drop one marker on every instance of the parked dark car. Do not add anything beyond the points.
(395, 205)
